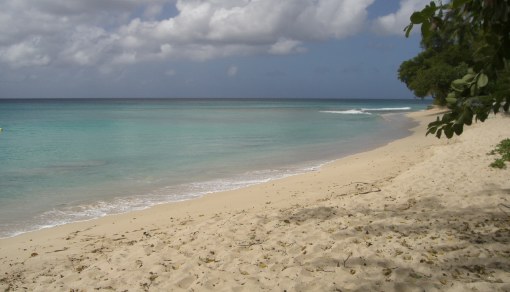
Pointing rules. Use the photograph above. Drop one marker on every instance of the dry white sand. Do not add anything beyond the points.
(419, 214)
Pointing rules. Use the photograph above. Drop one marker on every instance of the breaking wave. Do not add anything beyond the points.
(367, 111)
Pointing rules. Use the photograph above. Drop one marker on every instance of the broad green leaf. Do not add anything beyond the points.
(458, 85)
(430, 9)
(438, 133)
(458, 89)
(458, 128)
(431, 130)
(448, 131)
(460, 82)
(408, 29)
(457, 3)
(468, 77)
(482, 80)
(451, 100)
(417, 17)
(468, 118)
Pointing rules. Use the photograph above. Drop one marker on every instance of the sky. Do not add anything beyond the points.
(205, 48)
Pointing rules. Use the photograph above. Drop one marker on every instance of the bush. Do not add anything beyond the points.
(503, 150)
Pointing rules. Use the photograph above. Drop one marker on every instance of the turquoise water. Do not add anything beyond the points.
(68, 160)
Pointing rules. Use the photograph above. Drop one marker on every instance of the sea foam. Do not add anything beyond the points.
(387, 109)
(367, 111)
(347, 112)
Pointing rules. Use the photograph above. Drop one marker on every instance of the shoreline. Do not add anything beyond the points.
(360, 222)
(125, 205)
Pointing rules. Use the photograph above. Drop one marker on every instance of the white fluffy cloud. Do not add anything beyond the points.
(394, 23)
(24, 54)
(115, 32)
(286, 46)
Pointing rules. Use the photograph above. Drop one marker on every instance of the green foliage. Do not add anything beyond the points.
(482, 29)
(431, 72)
(442, 60)
(503, 150)
(498, 163)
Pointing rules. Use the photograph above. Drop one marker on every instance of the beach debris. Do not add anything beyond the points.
(153, 276)
(418, 275)
(429, 262)
(139, 263)
(387, 271)
(34, 254)
(348, 257)
(253, 241)
(476, 269)
(208, 260)
(405, 244)
(80, 268)
(361, 188)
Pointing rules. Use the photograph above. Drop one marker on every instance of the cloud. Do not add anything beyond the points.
(285, 46)
(24, 54)
(113, 33)
(232, 71)
(394, 23)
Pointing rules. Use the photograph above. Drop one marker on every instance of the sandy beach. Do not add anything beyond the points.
(418, 214)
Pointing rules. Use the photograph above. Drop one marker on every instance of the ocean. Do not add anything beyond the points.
(68, 160)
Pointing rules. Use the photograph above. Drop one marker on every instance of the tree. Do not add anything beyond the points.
(432, 71)
(482, 27)
(443, 59)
